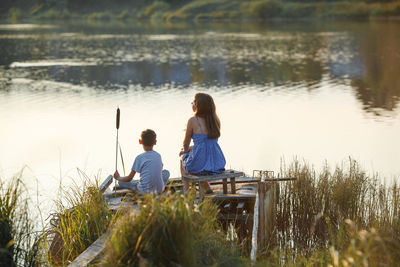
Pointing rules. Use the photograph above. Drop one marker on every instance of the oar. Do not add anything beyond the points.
(116, 148)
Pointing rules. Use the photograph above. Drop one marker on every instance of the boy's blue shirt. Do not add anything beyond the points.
(149, 165)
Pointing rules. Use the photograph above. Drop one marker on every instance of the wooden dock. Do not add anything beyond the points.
(236, 207)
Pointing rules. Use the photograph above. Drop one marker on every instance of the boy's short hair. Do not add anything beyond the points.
(148, 137)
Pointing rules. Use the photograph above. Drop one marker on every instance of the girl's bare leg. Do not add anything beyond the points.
(205, 185)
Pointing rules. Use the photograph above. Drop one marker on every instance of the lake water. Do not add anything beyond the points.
(315, 91)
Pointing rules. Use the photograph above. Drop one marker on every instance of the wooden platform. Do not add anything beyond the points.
(228, 174)
(235, 208)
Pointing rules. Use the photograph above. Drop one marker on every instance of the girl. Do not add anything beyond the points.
(205, 157)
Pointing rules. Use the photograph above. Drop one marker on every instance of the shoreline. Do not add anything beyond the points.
(210, 11)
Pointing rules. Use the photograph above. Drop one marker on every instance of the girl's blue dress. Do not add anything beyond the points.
(206, 156)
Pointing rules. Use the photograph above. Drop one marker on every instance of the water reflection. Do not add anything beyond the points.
(366, 56)
(379, 87)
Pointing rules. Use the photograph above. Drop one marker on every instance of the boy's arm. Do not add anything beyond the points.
(124, 178)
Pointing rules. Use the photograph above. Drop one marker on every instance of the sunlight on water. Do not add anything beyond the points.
(315, 95)
(15, 27)
(47, 63)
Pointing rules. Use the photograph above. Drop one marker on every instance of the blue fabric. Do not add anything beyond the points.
(134, 182)
(206, 156)
(149, 165)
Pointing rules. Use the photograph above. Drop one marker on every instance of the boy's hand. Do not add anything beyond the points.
(116, 175)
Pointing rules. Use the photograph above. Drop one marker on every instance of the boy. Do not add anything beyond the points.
(149, 165)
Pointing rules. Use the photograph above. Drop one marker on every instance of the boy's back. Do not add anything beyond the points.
(149, 165)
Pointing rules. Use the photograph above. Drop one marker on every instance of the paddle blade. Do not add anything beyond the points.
(118, 114)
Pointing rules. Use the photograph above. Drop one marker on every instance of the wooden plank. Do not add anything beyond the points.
(118, 193)
(238, 180)
(106, 183)
(235, 217)
(207, 178)
(92, 252)
(231, 197)
(177, 181)
(249, 181)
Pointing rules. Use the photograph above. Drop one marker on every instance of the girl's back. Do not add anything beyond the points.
(206, 156)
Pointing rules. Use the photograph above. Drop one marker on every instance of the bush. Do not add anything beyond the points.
(350, 10)
(104, 16)
(391, 9)
(156, 7)
(53, 14)
(123, 15)
(201, 9)
(15, 14)
(294, 10)
(266, 9)
(170, 232)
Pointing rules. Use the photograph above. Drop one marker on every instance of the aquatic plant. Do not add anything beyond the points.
(82, 216)
(330, 215)
(169, 231)
(19, 243)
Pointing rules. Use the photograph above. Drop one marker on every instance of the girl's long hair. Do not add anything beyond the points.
(206, 109)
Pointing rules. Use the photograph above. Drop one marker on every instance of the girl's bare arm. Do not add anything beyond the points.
(188, 136)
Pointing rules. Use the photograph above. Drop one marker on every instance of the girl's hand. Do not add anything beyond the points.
(181, 152)
(116, 175)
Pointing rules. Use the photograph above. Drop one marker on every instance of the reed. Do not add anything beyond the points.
(81, 218)
(20, 245)
(333, 216)
(170, 231)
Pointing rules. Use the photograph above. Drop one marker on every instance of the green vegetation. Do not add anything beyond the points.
(81, 219)
(339, 217)
(170, 231)
(198, 9)
(19, 244)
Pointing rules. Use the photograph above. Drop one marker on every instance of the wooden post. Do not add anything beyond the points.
(261, 216)
(270, 209)
(233, 185)
(253, 252)
(225, 185)
(201, 192)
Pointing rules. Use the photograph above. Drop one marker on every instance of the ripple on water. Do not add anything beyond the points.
(48, 63)
(16, 27)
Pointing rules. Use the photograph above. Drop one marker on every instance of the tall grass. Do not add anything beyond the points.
(333, 216)
(81, 218)
(19, 243)
(339, 217)
(170, 231)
